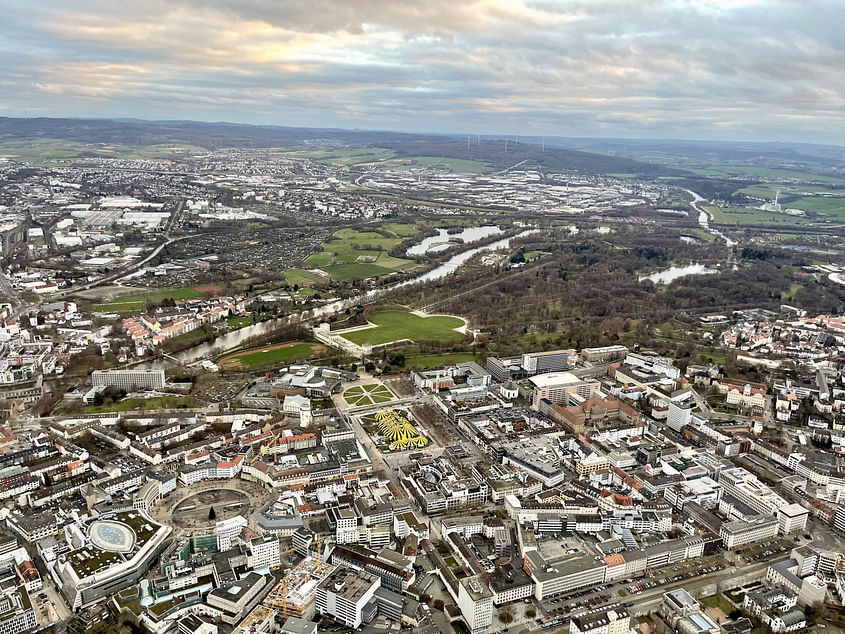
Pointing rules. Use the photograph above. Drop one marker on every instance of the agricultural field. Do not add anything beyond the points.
(393, 326)
(136, 302)
(394, 430)
(353, 254)
(833, 207)
(372, 394)
(749, 216)
(44, 151)
(455, 165)
(348, 156)
(271, 355)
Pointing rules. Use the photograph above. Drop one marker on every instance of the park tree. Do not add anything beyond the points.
(211, 514)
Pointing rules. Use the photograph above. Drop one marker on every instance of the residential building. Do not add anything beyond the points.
(605, 620)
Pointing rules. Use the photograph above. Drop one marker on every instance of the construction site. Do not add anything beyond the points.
(294, 595)
(283, 442)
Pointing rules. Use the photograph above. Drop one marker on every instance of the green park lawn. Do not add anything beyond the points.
(129, 404)
(371, 394)
(394, 326)
(302, 277)
(138, 301)
(269, 355)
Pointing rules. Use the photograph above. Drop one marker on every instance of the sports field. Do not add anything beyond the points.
(371, 394)
(395, 326)
(269, 355)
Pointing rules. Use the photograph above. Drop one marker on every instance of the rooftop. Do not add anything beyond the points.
(551, 379)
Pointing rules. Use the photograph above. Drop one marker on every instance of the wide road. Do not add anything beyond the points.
(130, 268)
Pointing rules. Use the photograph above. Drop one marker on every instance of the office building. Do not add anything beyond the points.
(476, 603)
(16, 613)
(556, 387)
(740, 533)
(746, 488)
(554, 578)
(792, 518)
(347, 596)
(129, 379)
(265, 552)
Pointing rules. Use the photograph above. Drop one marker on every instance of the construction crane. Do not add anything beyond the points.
(280, 597)
(273, 444)
(276, 602)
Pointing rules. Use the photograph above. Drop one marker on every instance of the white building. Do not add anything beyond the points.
(612, 620)
(556, 387)
(129, 379)
(347, 596)
(346, 526)
(265, 552)
(476, 603)
(739, 533)
(792, 518)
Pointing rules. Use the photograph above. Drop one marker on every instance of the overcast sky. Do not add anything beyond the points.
(717, 69)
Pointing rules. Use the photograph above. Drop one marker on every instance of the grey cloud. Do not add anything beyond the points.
(658, 67)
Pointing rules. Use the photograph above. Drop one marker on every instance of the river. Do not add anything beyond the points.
(238, 338)
(443, 240)
(704, 218)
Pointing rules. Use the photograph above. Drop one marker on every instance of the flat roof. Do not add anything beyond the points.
(551, 379)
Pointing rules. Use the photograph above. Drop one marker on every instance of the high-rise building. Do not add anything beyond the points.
(476, 603)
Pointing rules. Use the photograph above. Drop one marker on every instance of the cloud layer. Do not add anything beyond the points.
(728, 69)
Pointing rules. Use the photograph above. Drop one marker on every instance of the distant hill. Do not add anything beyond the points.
(137, 133)
(696, 149)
